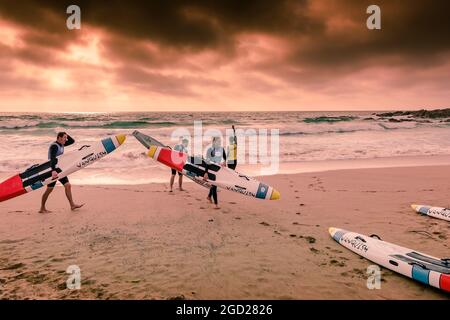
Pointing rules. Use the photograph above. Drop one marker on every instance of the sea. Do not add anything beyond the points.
(268, 142)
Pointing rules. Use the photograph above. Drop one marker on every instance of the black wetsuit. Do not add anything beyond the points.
(53, 154)
(213, 189)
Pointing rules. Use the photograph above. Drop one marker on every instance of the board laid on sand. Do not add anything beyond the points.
(40, 175)
(222, 177)
(413, 264)
(435, 212)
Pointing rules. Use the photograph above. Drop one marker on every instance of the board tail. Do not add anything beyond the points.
(11, 188)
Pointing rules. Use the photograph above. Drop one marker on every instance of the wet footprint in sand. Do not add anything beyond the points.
(314, 250)
(14, 266)
(264, 224)
(334, 262)
(310, 239)
(440, 235)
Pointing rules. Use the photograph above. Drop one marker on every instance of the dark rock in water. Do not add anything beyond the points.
(431, 114)
(368, 119)
(392, 114)
(400, 120)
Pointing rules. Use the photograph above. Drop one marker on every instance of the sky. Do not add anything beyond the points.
(224, 55)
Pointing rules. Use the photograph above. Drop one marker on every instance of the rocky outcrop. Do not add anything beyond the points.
(429, 114)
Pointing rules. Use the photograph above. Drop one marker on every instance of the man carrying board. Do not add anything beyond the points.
(56, 149)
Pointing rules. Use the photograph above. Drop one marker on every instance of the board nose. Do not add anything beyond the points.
(332, 231)
(121, 138)
(275, 195)
(414, 206)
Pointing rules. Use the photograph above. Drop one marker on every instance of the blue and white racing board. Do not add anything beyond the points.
(435, 212)
(413, 264)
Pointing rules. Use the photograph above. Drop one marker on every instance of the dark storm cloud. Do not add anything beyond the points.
(415, 32)
(192, 24)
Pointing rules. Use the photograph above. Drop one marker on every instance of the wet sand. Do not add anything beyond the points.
(141, 242)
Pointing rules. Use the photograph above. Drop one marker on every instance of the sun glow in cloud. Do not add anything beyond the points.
(9, 35)
(85, 53)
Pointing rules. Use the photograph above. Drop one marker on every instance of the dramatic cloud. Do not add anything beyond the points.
(224, 54)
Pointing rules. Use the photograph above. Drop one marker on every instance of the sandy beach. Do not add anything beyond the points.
(141, 242)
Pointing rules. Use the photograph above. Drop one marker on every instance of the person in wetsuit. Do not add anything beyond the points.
(232, 152)
(56, 149)
(215, 154)
(182, 148)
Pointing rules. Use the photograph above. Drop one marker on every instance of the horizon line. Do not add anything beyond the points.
(233, 111)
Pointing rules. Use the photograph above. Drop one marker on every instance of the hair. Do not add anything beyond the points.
(60, 134)
(185, 140)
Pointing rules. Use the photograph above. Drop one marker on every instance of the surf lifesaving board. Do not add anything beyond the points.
(435, 212)
(413, 264)
(195, 168)
(222, 177)
(40, 175)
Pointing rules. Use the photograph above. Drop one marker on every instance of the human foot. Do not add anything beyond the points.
(76, 206)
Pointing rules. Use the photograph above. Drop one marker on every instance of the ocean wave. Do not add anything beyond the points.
(21, 117)
(107, 125)
(76, 119)
(136, 124)
(329, 119)
(301, 133)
